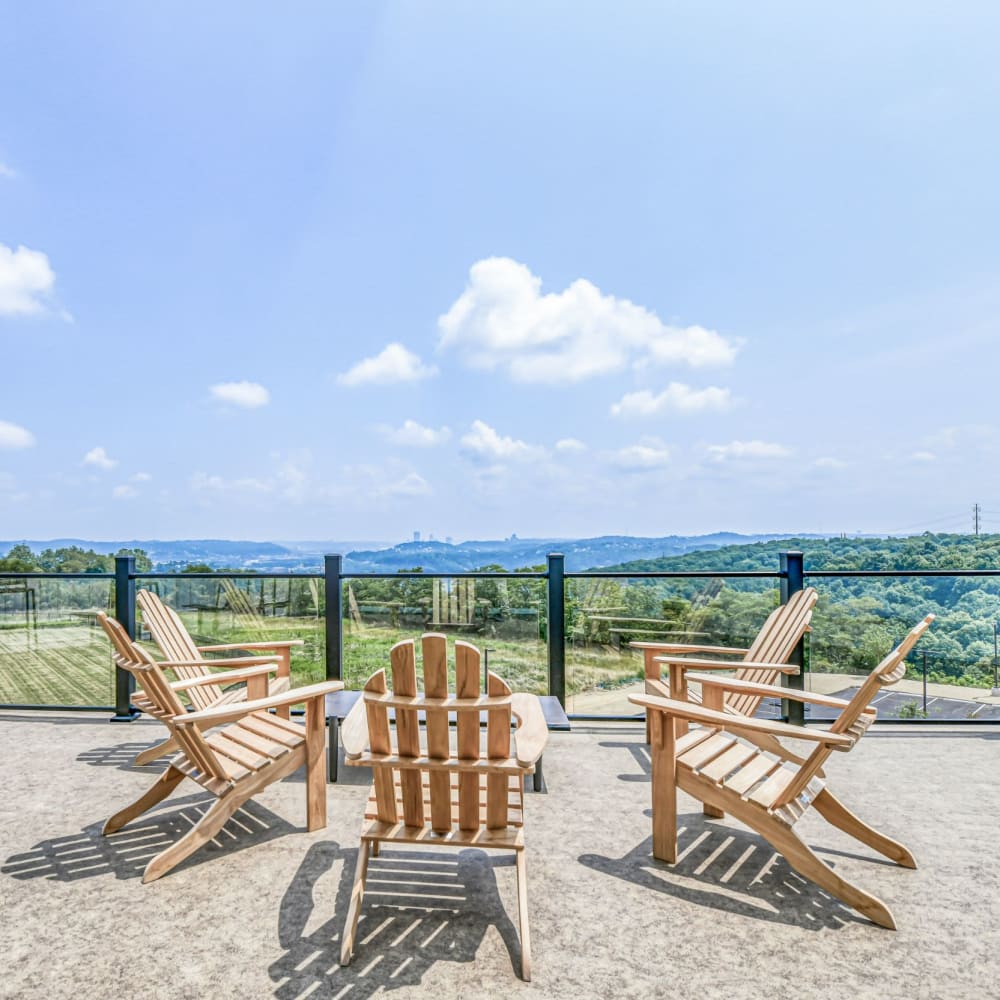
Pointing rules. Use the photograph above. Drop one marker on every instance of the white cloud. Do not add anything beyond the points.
(924, 456)
(26, 280)
(830, 463)
(246, 394)
(570, 445)
(411, 485)
(7, 172)
(394, 364)
(124, 492)
(141, 477)
(747, 449)
(204, 483)
(649, 453)
(13, 436)
(484, 442)
(99, 458)
(677, 397)
(503, 320)
(415, 435)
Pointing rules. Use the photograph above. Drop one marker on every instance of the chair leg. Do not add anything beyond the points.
(200, 834)
(155, 753)
(805, 862)
(354, 911)
(835, 812)
(522, 915)
(162, 787)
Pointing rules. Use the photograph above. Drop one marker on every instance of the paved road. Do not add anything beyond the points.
(890, 703)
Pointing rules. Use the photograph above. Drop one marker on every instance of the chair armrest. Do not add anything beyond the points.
(685, 647)
(219, 716)
(354, 730)
(767, 690)
(229, 663)
(235, 675)
(739, 723)
(686, 663)
(532, 734)
(279, 644)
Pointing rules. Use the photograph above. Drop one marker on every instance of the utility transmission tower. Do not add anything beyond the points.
(976, 511)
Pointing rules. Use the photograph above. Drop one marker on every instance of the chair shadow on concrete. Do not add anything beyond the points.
(419, 908)
(122, 756)
(125, 854)
(730, 869)
(739, 870)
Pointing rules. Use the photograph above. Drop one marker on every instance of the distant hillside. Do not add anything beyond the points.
(517, 553)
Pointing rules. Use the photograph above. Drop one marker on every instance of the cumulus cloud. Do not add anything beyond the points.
(26, 281)
(676, 398)
(249, 395)
(141, 477)
(649, 453)
(503, 320)
(924, 456)
(7, 172)
(482, 441)
(124, 492)
(411, 485)
(570, 445)
(394, 364)
(13, 436)
(204, 483)
(747, 450)
(99, 458)
(415, 435)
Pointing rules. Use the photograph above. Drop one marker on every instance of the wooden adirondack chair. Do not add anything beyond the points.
(762, 663)
(712, 763)
(433, 794)
(253, 749)
(188, 661)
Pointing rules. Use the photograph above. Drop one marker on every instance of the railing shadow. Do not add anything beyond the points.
(731, 870)
(125, 854)
(640, 754)
(419, 908)
(122, 756)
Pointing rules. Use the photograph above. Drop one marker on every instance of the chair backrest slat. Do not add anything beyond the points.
(497, 747)
(155, 686)
(775, 642)
(378, 734)
(404, 682)
(173, 638)
(435, 661)
(467, 686)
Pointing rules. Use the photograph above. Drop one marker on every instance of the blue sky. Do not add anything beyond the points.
(355, 270)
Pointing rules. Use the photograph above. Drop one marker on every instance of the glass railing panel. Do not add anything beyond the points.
(229, 609)
(604, 615)
(504, 617)
(951, 672)
(52, 649)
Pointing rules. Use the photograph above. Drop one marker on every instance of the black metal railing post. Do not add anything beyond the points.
(125, 613)
(792, 581)
(556, 625)
(333, 574)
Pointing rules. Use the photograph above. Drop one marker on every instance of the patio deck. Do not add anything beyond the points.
(260, 913)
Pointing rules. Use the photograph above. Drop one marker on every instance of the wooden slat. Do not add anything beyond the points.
(497, 748)
(751, 772)
(378, 736)
(242, 755)
(467, 686)
(770, 790)
(435, 653)
(733, 758)
(404, 682)
(706, 750)
(266, 725)
(248, 738)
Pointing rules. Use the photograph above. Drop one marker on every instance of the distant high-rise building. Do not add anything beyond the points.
(448, 539)
(416, 536)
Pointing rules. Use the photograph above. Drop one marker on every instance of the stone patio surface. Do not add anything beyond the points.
(260, 912)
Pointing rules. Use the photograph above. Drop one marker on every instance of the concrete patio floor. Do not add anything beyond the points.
(260, 913)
